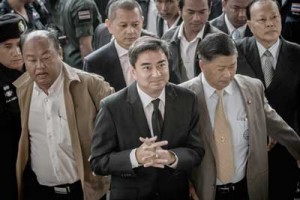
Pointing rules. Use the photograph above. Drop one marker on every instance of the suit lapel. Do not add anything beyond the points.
(137, 111)
(170, 113)
(253, 59)
(205, 123)
(115, 68)
(249, 103)
(281, 69)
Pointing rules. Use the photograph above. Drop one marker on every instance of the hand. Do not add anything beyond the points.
(145, 154)
(193, 194)
(271, 143)
(162, 158)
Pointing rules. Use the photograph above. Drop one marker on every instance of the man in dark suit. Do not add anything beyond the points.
(282, 83)
(124, 22)
(148, 158)
(168, 15)
(249, 118)
(184, 39)
(102, 36)
(233, 20)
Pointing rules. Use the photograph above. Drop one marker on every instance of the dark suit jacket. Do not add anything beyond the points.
(160, 25)
(119, 125)
(176, 66)
(105, 62)
(284, 90)
(262, 121)
(283, 95)
(220, 23)
(102, 36)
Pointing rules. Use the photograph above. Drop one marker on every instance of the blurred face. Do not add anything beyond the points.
(195, 15)
(167, 9)
(126, 27)
(220, 71)
(151, 72)
(43, 62)
(265, 22)
(10, 54)
(236, 11)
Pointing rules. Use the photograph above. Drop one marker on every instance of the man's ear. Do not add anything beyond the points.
(249, 24)
(60, 52)
(133, 72)
(202, 65)
(108, 24)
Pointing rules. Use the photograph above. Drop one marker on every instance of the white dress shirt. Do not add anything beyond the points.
(52, 156)
(166, 27)
(188, 50)
(235, 112)
(125, 64)
(152, 15)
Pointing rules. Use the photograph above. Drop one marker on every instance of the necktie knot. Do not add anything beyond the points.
(268, 54)
(155, 104)
(236, 34)
(220, 93)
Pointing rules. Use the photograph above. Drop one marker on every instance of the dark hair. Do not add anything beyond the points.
(114, 5)
(181, 4)
(256, 1)
(146, 43)
(41, 33)
(216, 44)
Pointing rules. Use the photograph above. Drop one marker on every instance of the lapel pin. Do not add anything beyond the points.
(249, 101)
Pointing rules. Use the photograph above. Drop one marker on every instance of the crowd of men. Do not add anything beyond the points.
(150, 99)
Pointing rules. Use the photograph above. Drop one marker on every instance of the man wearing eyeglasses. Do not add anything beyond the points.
(233, 20)
(275, 61)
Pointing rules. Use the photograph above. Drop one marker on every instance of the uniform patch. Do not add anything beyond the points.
(84, 14)
(295, 8)
(9, 94)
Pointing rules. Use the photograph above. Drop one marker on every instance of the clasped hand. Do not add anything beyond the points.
(151, 154)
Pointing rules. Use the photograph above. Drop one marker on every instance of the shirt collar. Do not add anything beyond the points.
(54, 88)
(120, 50)
(174, 24)
(210, 91)
(231, 28)
(146, 99)
(273, 49)
(199, 35)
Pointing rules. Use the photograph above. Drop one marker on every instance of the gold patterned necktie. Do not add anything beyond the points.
(223, 140)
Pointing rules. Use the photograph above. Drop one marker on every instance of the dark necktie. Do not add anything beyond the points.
(157, 120)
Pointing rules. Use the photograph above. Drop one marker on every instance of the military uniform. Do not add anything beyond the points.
(76, 19)
(34, 18)
(11, 27)
(10, 128)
